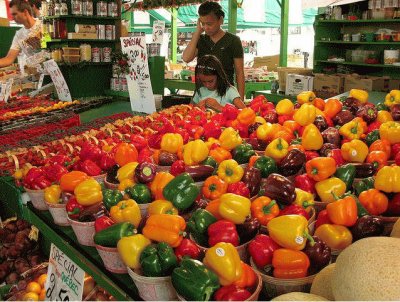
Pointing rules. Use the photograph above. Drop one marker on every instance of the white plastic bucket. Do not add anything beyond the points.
(37, 198)
(111, 259)
(59, 213)
(84, 231)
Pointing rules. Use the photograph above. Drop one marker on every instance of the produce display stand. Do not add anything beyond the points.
(274, 97)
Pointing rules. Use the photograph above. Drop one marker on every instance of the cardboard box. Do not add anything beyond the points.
(4, 22)
(90, 36)
(271, 62)
(296, 83)
(366, 83)
(326, 86)
(284, 71)
(394, 84)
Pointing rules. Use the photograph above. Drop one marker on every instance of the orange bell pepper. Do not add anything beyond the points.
(290, 264)
(284, 107)
(378, 158)
(298, 147)
(335, 236)
(384, 116)
(264, 209)
(320, 168)
(125, 153)
(165, 228)
(214, 187)
(213, 208)
(319, 103)
(156, 156)
(381, 145)
(248, 278)
(253, 159)
(220, 154)
(293, 126)
(285, 134)
(70, 180)
(374, 201)
(343, 211)
(311, 138)
(332, 107)
(159, 182)
(246, 116)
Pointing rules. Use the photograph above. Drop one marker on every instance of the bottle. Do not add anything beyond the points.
(45, 34)
(112, 9)
(102, 8)
(56, 34)
(57, 8)
(89, 7)
(50, 8)
(43, 8)
(64, 8)
(62, 29)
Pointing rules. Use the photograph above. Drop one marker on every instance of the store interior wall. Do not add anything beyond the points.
(3, 10)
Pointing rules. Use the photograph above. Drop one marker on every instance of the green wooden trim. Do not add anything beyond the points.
(284, 33)
(359, 21)
(232, 16)
(174, 34)
(179, 84)
(359, 43)
(275, 97)
(358, 64)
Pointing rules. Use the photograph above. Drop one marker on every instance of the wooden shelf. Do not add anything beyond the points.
(80, 17)
(83, 64)
(359, 43)
(360, 21)
(82, 40)
(358, 64)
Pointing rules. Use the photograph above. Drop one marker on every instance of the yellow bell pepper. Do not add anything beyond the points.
(260, 119)
(304, 198)
(326, 187)
(305, 97)
(230, 171)
(234, 207)
(392, 98)
(359, 94)
(127, 171)
(353, 129)
(388, 179)
(52, 194)
(212, 141)
(125, 183)
(195, 152)
(223, 259)
(305, 115)
(289, 231)
(230, 139)
(161, 206)
(88, 192)
(337, 237)
(354, 151)
(171, 142)
(384, 116)
(130, 248)
(284, 107)
(311, 138)
(390, 131)
(126, 211)
(265, 131)
(277, 149)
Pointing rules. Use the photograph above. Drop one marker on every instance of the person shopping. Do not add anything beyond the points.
(213, 89)
(224, 45)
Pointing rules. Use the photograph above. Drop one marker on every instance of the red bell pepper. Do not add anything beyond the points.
(394, 206)
(177, 167)
(138, 141)
(187, 248)
(154, 140)
(243, 129)
(239, 188)
(59, 159)
(336, 154)
(222, 231)
(395, 150)
(230, 112)
(183, 132)
(102, 223)
(162, 125)
(73, 208)
(212, 129)
(294, 209)
(261, 249)
(305, 183)
(231, 293)
(195, 131)
(219, 119)
(197, 117)
(32, 175)
(373, 126)
(284, 118)
(54, 172)
(322, 218)
(106, 161)
(40, 183)
(311, 154)
(145, 155)
(90, 168)
(90, 151)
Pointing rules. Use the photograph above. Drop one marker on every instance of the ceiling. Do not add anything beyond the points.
(323, 3)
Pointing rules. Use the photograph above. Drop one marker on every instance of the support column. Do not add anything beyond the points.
(174, 34)
(284, 32)
(232, 16)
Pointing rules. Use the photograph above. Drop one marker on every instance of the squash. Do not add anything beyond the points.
(369, 269)
(298, 296)
(396, 229)
(321, 285)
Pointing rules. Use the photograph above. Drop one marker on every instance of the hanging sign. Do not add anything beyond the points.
(139, 85)
(5, 91)
(158, 31)
(57, 77)
(64, 278)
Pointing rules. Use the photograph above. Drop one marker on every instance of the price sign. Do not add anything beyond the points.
(158, 31)
(40, 82)
(64, 278)
(139, 85)
(58, 79)
(5, 91)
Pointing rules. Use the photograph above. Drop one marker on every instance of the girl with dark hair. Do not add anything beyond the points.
(213, 89)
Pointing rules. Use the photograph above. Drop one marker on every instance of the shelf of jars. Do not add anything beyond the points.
(80, 17)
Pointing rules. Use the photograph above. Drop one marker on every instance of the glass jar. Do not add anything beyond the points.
(102, 8)
(77, 7)
(50, 8)
(43, 8)
(56, 55)
(86, 52)
(112, 9)
(88, 8)
(57, 8)
(62, 29)
(56, 34)
(64, 8)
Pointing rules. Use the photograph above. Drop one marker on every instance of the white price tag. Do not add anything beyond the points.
(6, 90)
(40, 82)
(58, 79)
(64, 278)
(158, 31)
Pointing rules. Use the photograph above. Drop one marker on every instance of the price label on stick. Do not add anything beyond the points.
(57, 77)
(64, 278)
(158, 31)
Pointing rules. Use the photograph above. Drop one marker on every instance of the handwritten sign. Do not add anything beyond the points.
(58, 79)
(5, 91)
(64, 278)
(139, 85)
(40, 82)
(158, 31)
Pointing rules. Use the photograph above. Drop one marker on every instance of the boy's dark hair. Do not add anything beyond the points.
(21, 5)
(36, 3)
(210, 7)
(210, 65)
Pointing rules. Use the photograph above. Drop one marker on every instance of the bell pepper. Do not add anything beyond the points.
(305, 97)
(284, 107)
(166, 228)
(294, 209)
(277, 149)
(343, 211)
(230, 171)
(54, 172)
(230, 112)
(73, 208)
(363, 185)
(220, 154)
(381, 145)
(289, 231)
(145, 172)
(88, 192)
(231, 293)
(239, 188)
(322, 218)
(214, 187)
(367, 226)
(266, 165)
(125, 153)
(230, 138)
(213, 208)
(289, 264)
(353, 129)
(248, 229)
(319, 254)
(111, 198)
(264, 209)
(252, 179)
(384, 116)
(194, 152)
(210, 161)
(126, 183)
(332, 107)
(234, 207)
(246, 116)
(160, 206)
(130, 248)
(346, 173)
(304, 199)
(375, 202)
(139, 193)
(127, 171)
(110, 236)
(279, 188)
(354, 151)
(292, 162)
(102, 223)
(224, 260)
(181, 191)
(372, 137)
(243, 152)
(90, 167)
(311, 139)
(326, 187)
(390, 131)
(187, 248)
(394, 206)
(158, 260)
(198, 224)
(52, 194)
(388, 179)
(69, 181)
(212, 129)
(138, 141)
(320, 168)
(392, 98)
(337, 237)
(261, 249)
(126, 210)
(305, 183)
(305, 115)
(172, 142)
(265, 131)
(194, 281)
(106, 161)
(222, 231)
(359, 94)
(378, 159)
(158, 184)
(177, 167)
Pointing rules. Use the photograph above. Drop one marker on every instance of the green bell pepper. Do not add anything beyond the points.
(243, 152)
(111, 198)
(363, 185)
(361, 211)
(181, 191)
(347, 173)
(210, 161)
(381, 106)
(139, 193)
(266, 165)
(158, 260)
(372, 136)
(198, 225)
(194, 281)
(110, 236)
(296, 141)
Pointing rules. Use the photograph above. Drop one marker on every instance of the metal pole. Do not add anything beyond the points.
(232, 16)
(174, 34)
(284, 32)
